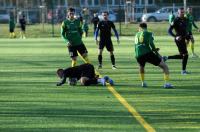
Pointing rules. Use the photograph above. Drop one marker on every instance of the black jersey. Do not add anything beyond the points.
(95, 21)
(105, 29)
(180, 26)
(22, 21)
(84, 70)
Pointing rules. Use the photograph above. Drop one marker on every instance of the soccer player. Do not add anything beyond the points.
(95, 21)
(105, 38)
(146, 51)
(12, 27)
(85, 73)
(189, 29)
(22, 22)
(180, 27)
(71, 31)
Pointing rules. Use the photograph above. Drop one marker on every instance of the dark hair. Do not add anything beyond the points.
(143, 25)
(71, 9)
(106, 12)
(181, 8)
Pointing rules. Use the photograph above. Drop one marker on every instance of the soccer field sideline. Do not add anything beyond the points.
(37, 47)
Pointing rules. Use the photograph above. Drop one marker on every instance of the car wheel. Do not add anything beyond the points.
(152, 19)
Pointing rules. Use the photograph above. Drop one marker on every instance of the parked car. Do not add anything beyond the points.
(4, 16)
(160, 15)
(112, 16)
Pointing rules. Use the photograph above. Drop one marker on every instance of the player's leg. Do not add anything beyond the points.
(165, 69)
(100, 51)
(192, 46)
(184, 53)
(157, 61)
(73, 55)
(141, 61)
(83, 52)
(110, 48)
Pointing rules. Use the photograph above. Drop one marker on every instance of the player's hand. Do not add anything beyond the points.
(157, 49)
(178, 38)
(97, 42)
(118, 42)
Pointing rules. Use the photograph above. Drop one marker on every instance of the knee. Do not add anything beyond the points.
(84, 81)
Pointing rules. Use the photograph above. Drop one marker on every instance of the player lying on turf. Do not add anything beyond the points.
(85, 73)
(146, 52)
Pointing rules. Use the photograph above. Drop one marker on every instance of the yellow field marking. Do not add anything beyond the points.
(131, 109)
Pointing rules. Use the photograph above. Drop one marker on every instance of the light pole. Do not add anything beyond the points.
(185, 4)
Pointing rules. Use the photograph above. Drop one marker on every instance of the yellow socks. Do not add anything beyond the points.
(73, 63)
(192, 47)
(86, 59)
(142, 77)
(166, 78)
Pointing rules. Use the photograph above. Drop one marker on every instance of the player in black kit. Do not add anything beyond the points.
(180, 26)
(85, 73)
(105, 38)
(95, 21)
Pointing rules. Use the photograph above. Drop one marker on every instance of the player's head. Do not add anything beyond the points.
(189, 10)
(70, 13)
(142, 26)
(181, 12)
(105, 15)
(60, 73)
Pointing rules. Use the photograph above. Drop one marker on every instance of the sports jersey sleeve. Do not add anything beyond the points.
(170, 30)
(151, 42)
(97, 31)
(63, 32)
(114, 29)
(63, 80)
(80, 27)
(193, 23)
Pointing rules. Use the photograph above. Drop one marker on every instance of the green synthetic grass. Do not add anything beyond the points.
(30, 101)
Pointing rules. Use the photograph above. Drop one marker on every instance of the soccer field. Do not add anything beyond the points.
(30, 100)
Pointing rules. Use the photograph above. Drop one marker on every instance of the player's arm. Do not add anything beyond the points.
(96, 34)
(152, 45)
(170, 31)
(115, 31)
(63, 80)
(193, 23)
(80, 28)
(63, 34)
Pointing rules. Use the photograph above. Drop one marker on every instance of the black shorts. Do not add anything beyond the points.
(73, 50)
(182, 46)
(107, 43)
(23, 28)
(88, 71)
(11, 30)
(150, 58)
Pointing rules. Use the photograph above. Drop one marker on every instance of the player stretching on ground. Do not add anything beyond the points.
(85, 73)
(105, 38)
(189, 29)
(146, 52)
(180, 26)
(71, 31)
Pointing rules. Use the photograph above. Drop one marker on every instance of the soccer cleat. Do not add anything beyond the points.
(114, 67)
(168, 85)
(100, 66)
(164, 58)
(144, 85)
(194, 55)
(184, 72)
(109, 80)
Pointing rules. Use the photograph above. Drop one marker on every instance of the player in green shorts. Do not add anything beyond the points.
(191, 23)
(71, 31)
(146, 51)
